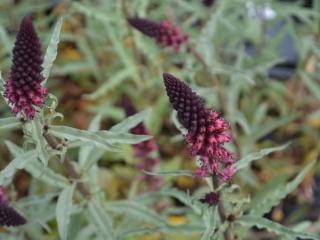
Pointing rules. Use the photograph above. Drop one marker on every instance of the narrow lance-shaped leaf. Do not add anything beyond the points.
(263, 223)
(244, 162)
(181, 196)
(86, 150)
(114, 80)
(273, 125)
(267, 189)
(83, 136)
(51, 53)
(101, 221)
(177, 173)
(130, 122)
(38, 170)
(18, 163)
(63, 211)
(136, 210)
(312, 84)
(37, 133)
(211, 221)
(181, 230)
(126, 138)
(10, 123)
(275, 197)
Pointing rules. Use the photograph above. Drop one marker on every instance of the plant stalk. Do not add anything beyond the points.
(222, 213)
(68, 166)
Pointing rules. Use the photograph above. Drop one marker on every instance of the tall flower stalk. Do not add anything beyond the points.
(165, 33)
(207, 130)
(23, 88)
(207, 133)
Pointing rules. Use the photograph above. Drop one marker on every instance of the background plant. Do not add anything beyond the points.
(100, 58)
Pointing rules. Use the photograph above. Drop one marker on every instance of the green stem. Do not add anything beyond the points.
(68, 166)
(222, 213)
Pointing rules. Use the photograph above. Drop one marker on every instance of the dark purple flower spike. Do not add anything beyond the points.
(206, 129)
(10, 217)
(163, 32)
(208, 3)
(144, 150)
(23, 88)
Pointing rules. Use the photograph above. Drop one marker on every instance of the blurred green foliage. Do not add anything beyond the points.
(100, 59)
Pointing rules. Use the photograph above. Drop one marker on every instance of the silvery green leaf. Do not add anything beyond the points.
(260, 132)
(130, 122)
(125, 138)
(279, 193)
(266, 189)
(51, 53)
(177, 173)
(63, 210)
(38, 170)
(114, 80)
(47, 175)
(89, 155)
(311, 83)
(136, 210)
(13, 148)
(88, 137)
(181, 230)
(95, 155)
(85, 150)
(41, 144)
(19, 162)
(101, 221)
(244, 162)
(10, 123)
(211, 217)
(179, 195)
(263, 223)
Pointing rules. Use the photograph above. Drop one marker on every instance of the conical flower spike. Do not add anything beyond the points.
(23, 88)
(163, 32)
(10, 217)
(206, 129)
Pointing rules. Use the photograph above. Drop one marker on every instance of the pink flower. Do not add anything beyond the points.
(163, 32)
(207, 131)
(23, 89)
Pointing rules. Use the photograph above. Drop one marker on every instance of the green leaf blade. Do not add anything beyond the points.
(10, 123)
(83, 136)
(101, 221)
(52, 49)
(63, 211)
(263, 223)
(244, 162)
(279, 193)
(19, 162)
(130, 122)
